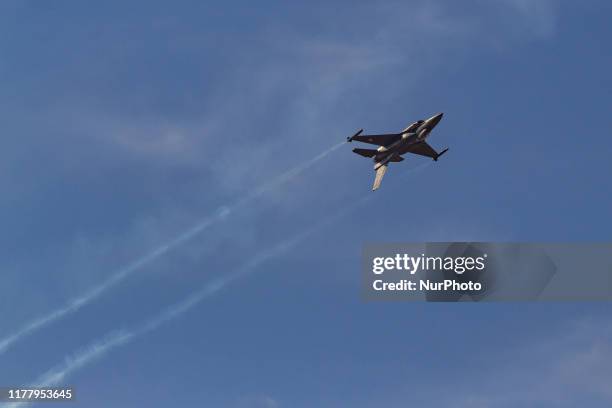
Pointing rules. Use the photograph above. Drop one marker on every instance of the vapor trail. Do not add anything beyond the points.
(121, 274)
(98, 349)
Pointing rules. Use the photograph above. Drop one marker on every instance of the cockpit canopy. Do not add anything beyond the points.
(414, 126)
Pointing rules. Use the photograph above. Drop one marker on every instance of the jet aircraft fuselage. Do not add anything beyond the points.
(393, 145)
(413, 134)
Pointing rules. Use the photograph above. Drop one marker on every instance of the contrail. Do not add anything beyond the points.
(93, 352)
(121, 274)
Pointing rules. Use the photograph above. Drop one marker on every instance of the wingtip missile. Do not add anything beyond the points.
(440, 154)
(350, 139)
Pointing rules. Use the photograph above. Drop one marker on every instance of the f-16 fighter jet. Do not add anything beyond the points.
(393, 145)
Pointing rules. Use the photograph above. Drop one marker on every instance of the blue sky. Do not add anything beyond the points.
(124, 124)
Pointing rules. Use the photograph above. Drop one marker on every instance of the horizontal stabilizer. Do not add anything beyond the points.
(365, 152)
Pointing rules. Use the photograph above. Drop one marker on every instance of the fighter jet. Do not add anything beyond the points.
(394, 145)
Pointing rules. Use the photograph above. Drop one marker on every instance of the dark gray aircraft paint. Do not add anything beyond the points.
(393, 145)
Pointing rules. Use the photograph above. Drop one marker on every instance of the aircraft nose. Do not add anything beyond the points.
(433, 121)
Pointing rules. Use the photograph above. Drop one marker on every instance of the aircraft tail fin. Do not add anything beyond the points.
(365, 152)
(380, 173)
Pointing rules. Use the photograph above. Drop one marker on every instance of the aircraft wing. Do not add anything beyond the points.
(379, 140)
(380, 173)
(422, 149)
